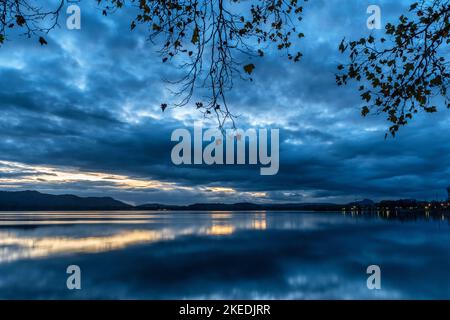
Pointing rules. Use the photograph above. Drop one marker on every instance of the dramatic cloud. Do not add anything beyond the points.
(83, 115)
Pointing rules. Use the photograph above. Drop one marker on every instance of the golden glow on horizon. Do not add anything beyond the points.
(221, 189)
(257, 194)
(45, 174)
(228, 190)
(48, 175)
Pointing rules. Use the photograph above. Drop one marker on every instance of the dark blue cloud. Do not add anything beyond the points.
(90, 100)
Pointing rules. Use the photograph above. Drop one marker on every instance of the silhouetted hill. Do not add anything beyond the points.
(362, 203)
(224, 207)
(244, 206)
(33, 200)
(36, 201)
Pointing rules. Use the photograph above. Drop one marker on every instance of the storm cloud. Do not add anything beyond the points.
(89, 102)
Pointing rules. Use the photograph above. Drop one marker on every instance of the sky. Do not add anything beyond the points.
(82, 116)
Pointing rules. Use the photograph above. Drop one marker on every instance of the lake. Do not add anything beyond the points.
(221, 255)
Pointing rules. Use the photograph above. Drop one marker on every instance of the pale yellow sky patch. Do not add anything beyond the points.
(57, 175)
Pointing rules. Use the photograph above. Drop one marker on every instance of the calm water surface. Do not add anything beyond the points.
(189, 255)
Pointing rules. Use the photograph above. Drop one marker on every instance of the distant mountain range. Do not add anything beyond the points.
(33, 200)
(36, 201)
(243, 206)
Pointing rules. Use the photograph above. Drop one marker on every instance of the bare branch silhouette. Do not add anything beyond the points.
(407, 70)
(29, 17)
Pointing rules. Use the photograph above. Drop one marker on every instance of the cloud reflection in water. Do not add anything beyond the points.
(271, 255)
(17, 245)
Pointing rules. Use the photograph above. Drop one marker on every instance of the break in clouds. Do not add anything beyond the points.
(82, 115)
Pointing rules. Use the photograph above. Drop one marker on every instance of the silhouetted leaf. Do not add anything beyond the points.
(248, 68)
(195, 35)
(20, 20)
(42, 41)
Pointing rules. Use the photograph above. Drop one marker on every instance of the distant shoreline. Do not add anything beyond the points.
(33, 201)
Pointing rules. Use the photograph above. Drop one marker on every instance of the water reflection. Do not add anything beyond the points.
(251, 255)
(16, 245)
(400, 215)
(220, 230)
